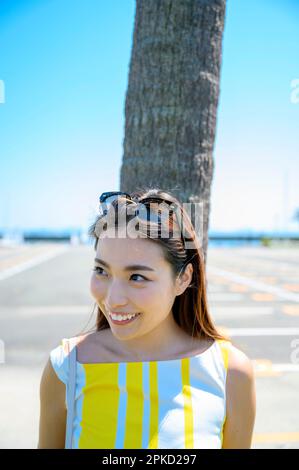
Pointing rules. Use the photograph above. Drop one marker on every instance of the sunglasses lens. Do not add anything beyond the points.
(107, 200)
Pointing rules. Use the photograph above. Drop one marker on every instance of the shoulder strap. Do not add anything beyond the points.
(71, 346)
(224, 347)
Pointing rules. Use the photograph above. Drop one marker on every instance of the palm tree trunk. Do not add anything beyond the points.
(172, 98)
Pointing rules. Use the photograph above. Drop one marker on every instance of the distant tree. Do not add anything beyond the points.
(172, 98)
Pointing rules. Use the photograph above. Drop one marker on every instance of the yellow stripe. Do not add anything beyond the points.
(224, 347)
(188, 409)
(154, 406)
(276, 437)
(100, 406)
(222, 427)
(134, 412)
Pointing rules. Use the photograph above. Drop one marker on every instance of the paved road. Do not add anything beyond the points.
(253, 295)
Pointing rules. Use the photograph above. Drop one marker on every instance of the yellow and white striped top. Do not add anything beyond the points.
(168, 404)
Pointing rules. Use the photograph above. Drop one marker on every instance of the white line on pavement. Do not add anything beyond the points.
(262, 331)
(261, 286)
(225, 297)
(39, 310)
(31, 263)
(241, 311)
(285, 367)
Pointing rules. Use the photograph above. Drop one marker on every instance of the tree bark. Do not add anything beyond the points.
(172, 99)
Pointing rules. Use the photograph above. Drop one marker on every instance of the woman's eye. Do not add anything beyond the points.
(142, 277)
(96, 269)
(99, 270)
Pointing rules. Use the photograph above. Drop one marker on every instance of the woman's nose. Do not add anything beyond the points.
(115, 295)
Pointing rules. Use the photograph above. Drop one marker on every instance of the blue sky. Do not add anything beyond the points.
(64, 69)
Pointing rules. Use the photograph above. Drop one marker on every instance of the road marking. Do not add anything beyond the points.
(287, 367)
(290, 309)
(5, 274)
(265, 367)
(18, 256)
(224, 297)
(268, 279)
(275, 437)
(211, 288)
(241, 311)
(260, 286)
(291, 287)
(39, 310)
(292, 331)
(238, 288)
(262, 297)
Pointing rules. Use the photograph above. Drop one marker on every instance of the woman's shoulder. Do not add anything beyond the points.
(240, 382)
(241, 400)
(95, 347)
(236, 361)
(58, 359)
(239, 363)
(59, 356)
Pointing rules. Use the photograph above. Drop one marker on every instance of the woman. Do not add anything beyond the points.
(155, 373)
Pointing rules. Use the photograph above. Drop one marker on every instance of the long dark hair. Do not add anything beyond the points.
(190, 309)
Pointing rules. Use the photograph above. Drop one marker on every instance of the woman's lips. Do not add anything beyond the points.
(124, 322)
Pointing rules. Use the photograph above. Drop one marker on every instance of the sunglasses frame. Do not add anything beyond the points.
(105, 195)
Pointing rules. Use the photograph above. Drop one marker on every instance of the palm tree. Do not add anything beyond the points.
(172, 98)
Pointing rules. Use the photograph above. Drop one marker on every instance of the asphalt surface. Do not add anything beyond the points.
(253, 296)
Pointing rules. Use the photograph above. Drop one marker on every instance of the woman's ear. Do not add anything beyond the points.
(183, 280)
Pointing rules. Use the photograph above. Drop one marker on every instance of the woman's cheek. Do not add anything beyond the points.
(146, 296)
(96, 287)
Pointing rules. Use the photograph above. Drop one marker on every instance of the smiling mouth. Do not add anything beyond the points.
(123, 319)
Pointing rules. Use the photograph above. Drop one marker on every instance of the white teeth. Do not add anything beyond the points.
(122, 317)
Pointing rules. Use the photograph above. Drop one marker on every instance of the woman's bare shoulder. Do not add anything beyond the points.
(240, 400)
(92, 347)
(239, 364)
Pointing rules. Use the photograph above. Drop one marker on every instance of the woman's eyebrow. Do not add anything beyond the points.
(133, 267)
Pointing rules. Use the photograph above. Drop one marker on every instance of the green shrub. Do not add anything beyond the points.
(265, 241)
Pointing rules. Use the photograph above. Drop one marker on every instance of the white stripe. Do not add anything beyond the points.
(285, 367)
(80, 385)
(215, 288)
(261, 286)
(37, 310)
(31, 263)
(262, 331)
(224, 297)
(241, 311)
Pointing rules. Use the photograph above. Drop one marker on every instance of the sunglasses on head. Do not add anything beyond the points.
(108, 197)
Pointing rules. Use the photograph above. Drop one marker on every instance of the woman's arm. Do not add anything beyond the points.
(52, 421)
(240, 401)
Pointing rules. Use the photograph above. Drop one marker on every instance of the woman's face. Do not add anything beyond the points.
(118, 287)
